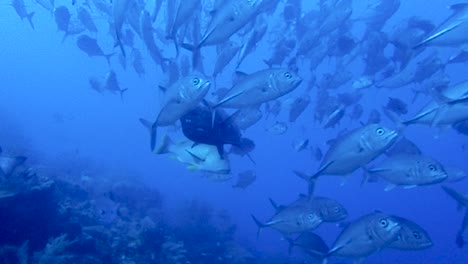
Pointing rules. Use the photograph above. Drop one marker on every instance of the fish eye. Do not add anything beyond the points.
(432, 168)
(195, 81)
(380, 131)
(287, 75)
(310, 216)
(416, 235)
(384, 223)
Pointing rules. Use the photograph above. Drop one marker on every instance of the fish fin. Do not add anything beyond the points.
(122, 93)
(436, 35)
(220, 149)
(310, 179)
(460, 241)
(108, 56)
(227, 99)
(322, 169)
(162, 88)
(30, 16)
(119, 43)
(274, 204)
(259, 224)
(462, 200)
(196, 56)
(389, 187)
(195, 157)
(165, 145)
(410, 186)
(291, 244)
(146, 123)
(154, 135)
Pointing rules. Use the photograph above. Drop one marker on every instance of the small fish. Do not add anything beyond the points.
(137, 62)
(200, 157)
(112, 85)
(245, 179)
(90, 46)
(279, 128)
(397, 106)
(224, 57)
(334, 117)
(409, 171)
(62, 18)
(298, 106)
(20, 9)
(86, 19)
(411, 236)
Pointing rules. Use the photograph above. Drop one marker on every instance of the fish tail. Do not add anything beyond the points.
(30, 16)
(310, 179)
(108, 56)
(118, 42)
(122, 93)
(273, 203)
(165, 145)
(195, 53)
(291, 244)
(259, 224)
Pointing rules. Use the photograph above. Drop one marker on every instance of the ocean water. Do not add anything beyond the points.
(97, 182)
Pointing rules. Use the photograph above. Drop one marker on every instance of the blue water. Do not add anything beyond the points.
(50, 114)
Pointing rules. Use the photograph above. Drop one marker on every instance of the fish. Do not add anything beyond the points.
(180, 98)
(450, 105)
(454, 174)
(146, 29)
(253, 39)
(245, 179)
(462, 202)
(119, 10)
(86, 19)
(278, 128)
(197, 157)
(228, 18)
(112, 85)
(62, 18)
(409, 170)
(397, 106)
(291, 219)
(411, 236)
(185, 11)
(137, 62)
(20, 9)
(355, 149)
(224, 57)
(335, 117)
(8, 164)
(365, 236)
(247, 117)
(90, 46)
(311, 244)
(298, 106)
(199, 126)
(260, 87)
(452, 31)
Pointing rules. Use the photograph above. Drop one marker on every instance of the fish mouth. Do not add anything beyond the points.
(392, 136)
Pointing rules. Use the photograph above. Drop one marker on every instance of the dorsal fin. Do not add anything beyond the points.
(458, 7)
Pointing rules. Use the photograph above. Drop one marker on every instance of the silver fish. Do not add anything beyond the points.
(453, 31)
(355, 149)
(260, 87)
(366, 235)
(181, 97)
(411, 236)
(409, 170)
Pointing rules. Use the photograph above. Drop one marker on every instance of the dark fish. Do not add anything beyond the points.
(62, 18)
(198, 125)
(20, 9)
(311, 244)
(245, 179)
(397, 106)
(86, 19)
(298, 107)
(90, 46)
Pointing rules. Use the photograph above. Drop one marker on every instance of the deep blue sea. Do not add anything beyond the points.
(90, 175)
